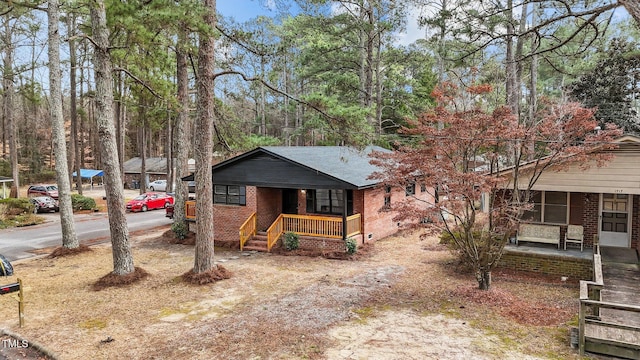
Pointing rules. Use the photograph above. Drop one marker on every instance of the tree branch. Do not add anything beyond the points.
(272, 88)
(138, 80)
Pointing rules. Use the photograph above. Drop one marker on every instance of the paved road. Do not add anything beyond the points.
(16, 243)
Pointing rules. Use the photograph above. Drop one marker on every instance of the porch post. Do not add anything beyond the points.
(344, 214)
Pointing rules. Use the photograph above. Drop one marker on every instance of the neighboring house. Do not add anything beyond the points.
(323, 193)
(155, 169)
(605, 200)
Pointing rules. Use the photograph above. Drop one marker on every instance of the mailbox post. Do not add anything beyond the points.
(11, 288)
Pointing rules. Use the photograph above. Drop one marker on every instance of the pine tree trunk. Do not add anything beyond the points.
(510, 66)
(69, 238)
(76, 148)
(142, 145)
(533, 91)
(120, 120)
(7, 86)
(121, 248)
(181, 129)
(203, 145)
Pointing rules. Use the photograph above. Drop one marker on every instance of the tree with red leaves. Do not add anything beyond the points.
(461, 152)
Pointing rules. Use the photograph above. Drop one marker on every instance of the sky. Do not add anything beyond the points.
(244, 10)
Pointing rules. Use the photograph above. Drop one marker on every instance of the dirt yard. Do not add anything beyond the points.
(403, 300)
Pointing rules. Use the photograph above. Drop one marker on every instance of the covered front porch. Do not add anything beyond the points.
(321, 216)
(315, 226)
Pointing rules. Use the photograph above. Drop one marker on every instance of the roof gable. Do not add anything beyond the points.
(621, 174)
(304, 166)
(153, 165)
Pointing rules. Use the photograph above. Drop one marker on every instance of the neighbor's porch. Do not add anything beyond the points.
(548, 259)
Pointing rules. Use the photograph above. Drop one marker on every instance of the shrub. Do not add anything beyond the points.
(352, 246)
(180, 229)
(13, 206)
(291, 241)
(480, 237)
(81, 202)
(17, 212)
(5, 168)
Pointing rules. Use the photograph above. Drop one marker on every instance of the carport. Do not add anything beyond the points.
(89, 174)
(4, 180)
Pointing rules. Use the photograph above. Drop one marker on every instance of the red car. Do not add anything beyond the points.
(149, 201)
(43, 190)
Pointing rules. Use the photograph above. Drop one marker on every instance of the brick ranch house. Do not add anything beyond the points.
(604, 202)
(322, 193)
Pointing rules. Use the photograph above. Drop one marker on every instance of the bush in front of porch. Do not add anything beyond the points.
(291, 241)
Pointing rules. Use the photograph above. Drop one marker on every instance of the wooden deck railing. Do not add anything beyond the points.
(274, 232)
(354, 225)
(248, 229)
(597, 335)
(312, 225)
(190, 210)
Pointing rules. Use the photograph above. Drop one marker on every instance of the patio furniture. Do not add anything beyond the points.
(546, 234)
(574, 235)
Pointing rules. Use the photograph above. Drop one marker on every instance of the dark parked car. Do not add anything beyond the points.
(169, 209)
(44, 204)
(43, 190)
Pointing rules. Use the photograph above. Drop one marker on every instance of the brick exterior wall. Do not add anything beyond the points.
(329, 245)
(573, 268)
(269, 206)
(227, 219)
(267, 202)
(378, 222)
(590, 217)
(590, 220)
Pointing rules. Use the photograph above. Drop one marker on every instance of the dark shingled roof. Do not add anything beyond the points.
(345, 163)
(153, 165)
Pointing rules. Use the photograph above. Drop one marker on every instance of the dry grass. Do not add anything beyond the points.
(274, 306)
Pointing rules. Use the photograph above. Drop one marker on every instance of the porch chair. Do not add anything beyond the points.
(574, 235)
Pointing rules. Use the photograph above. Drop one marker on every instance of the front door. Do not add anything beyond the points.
(615, 220)
(289, 201)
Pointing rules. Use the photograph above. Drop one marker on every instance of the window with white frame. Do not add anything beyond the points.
(548, 207)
